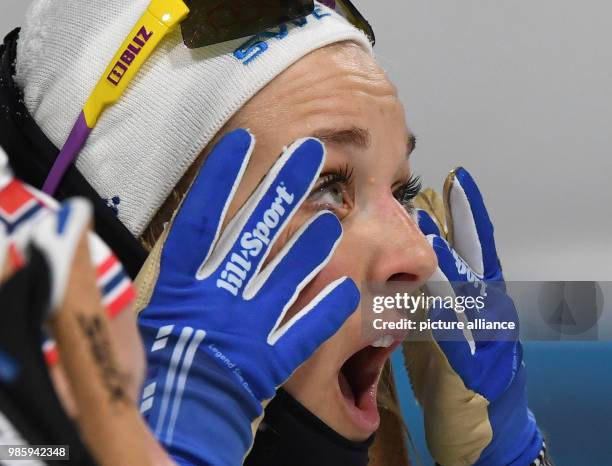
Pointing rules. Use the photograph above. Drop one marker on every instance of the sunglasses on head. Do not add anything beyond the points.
(213, 21)
(203, 22)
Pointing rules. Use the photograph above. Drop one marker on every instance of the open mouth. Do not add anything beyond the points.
(358, 380)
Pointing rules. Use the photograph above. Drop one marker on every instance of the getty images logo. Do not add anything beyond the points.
(252, 242)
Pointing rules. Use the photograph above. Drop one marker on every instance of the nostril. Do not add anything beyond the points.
(402, 277)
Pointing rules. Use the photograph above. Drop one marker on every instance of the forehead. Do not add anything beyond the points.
(337, 86)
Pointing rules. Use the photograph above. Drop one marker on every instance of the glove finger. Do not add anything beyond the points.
(458, 345)
(452, 268)
(499, 309)
(472, 230)
(427, 224)
(292, 269)
(447, 283)
(198, 222)
(250, 235)
(57, 235)
(318, 321)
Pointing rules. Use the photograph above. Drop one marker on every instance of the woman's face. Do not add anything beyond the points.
(340, 95)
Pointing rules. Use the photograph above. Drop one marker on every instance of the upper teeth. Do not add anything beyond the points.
(384, 341)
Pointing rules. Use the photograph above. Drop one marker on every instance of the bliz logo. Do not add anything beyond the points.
(258, 44)
(252, 242)
(128, 56)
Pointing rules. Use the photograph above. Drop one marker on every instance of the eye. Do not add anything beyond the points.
(406, 193)
(332, 192)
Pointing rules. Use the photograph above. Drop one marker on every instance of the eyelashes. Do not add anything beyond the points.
(333, 191)
(406, 193)
(344, 177)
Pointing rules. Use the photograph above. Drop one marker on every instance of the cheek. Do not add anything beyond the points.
(300, 217)
(344, 263)
(339, 266)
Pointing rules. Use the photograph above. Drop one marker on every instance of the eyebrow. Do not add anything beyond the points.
(412, 140)
(355, 136)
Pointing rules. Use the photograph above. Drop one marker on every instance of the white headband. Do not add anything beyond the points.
(142, 146)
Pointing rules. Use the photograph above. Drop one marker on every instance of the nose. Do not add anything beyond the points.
(400, 251)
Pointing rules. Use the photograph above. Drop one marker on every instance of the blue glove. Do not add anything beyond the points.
(489, 362)
(215, 347)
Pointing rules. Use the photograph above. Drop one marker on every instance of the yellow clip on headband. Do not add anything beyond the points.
(159, 18)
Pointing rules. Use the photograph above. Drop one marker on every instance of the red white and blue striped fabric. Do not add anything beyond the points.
(20, 207)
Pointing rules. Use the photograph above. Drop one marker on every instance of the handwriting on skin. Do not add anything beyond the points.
(96, 333)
